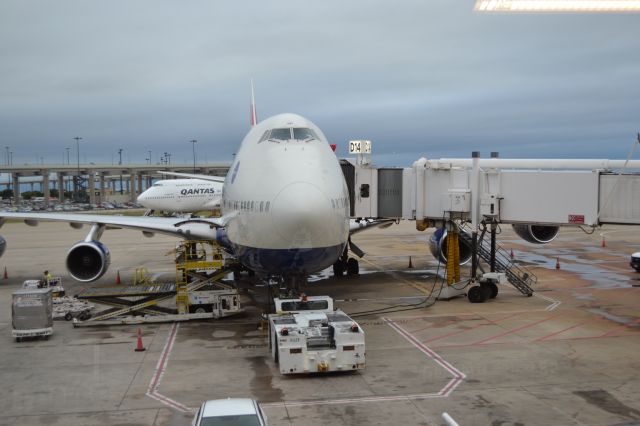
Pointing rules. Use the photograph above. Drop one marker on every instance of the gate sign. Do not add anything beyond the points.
(359, 147)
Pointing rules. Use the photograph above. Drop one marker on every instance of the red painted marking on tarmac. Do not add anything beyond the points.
(483, 341)
(560, 332)
(453, 333)
(613, 333)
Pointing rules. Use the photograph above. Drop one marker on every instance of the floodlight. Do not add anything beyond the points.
(586, 6)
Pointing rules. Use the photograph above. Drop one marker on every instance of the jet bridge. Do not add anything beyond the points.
(544, 192)
(535, 196)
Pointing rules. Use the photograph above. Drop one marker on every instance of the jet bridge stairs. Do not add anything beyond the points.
(518, 276)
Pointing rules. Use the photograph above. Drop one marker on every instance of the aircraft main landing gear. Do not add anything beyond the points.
(346, 264)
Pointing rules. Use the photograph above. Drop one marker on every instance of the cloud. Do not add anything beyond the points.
(418, 78)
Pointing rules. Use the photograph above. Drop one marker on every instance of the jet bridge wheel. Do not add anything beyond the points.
(481, 293)
(478, 294)
(493, 290)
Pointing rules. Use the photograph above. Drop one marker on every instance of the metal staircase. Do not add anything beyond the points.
(518, 276)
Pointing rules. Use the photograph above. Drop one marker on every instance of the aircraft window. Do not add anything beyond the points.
(157, 184)
(280, 134)
(265, 136)
(302, 133)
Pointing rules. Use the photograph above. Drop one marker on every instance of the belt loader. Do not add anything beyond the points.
(306, 335)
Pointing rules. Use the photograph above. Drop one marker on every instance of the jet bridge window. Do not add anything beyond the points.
(280, 134)
(303, 133)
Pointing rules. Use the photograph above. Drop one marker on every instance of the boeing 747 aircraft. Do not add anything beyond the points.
(285, 209)
(182, 195)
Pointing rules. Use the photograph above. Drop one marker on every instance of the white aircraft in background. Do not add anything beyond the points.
(285, 209)
(182, 195)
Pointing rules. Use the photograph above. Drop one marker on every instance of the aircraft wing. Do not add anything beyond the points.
(356, 226)
(360, 225)
(194, 176)
(200, 228)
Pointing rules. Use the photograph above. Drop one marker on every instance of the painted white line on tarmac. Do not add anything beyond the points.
(553, 302)
(458, 377)
(161, 367)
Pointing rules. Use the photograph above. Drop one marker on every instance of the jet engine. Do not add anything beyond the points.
(537, 234)
(438, 247)
(88, 260)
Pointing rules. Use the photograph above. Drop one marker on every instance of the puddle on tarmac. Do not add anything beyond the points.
(587, 269)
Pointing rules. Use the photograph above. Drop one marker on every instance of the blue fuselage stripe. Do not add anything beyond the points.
(288, 261)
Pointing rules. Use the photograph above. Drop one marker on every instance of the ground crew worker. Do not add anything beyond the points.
(46, 278)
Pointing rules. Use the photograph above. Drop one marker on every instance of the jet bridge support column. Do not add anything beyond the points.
(475, 212)
(449, 290)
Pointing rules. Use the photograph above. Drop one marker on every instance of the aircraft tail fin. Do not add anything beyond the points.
(254, 115)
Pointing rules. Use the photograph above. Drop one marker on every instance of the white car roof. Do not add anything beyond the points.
(228, 407)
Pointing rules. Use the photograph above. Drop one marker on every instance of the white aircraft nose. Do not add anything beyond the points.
(302, 214)
(142, 197)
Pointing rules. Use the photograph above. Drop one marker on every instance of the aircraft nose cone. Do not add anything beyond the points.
(302, 215)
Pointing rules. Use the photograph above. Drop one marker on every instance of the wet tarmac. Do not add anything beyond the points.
(568, 355)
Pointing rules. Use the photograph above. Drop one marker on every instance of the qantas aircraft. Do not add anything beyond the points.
(285, 209)
(182, 195)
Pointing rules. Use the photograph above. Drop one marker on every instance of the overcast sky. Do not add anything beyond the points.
(419, 78)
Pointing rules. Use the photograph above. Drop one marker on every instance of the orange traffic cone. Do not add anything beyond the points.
(512, 256)
(603, 244)
(6, 276)
(139, 347)
(557, 263)
(410, 264)
(118, 281)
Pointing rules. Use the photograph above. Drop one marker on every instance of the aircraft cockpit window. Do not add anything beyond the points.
(280, 134)
(265, 136)
(157, 184)
(303, 133)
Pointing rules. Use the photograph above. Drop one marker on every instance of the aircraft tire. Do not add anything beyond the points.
(353, 268)
(338, 268)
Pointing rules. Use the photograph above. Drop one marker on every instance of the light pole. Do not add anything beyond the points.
(7, 148)
(193, 146)
(68, 160)
(149, 156)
